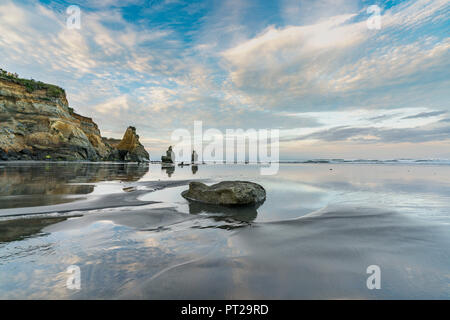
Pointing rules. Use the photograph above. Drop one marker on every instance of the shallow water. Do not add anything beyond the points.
(133, 236)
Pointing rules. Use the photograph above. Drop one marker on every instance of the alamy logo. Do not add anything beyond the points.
(374, 280)
(74, 279)
(250, 146)
(374, 21)
(74, 19)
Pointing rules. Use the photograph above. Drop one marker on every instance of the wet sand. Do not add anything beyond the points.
(313, 238)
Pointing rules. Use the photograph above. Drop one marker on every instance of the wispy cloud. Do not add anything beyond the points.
(426, 115)
(338, 59)
(427, 133)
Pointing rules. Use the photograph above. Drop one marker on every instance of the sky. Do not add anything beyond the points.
(314, 70)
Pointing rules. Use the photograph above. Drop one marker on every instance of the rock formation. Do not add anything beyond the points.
(38, 124)
(169, 157)
(194, 157)
(227, 193)
(129, 148)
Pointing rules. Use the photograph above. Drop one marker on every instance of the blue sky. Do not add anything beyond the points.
(313, 69)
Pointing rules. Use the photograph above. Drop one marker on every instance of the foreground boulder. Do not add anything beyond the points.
(227, 193)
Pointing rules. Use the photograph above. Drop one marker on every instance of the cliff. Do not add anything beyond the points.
(36, 123)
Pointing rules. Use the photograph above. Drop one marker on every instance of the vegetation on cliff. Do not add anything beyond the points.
(32, 85)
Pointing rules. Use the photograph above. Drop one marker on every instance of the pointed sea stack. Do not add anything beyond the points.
(129, 148)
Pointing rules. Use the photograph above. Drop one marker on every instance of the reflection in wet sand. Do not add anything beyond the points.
(244, 214)
(169, 169)
(28, 185)
(19, 229)
(322, 256)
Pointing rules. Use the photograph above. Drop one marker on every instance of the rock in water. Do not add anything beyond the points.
(129, 148)
(169, 157)
(194, 157)
(227, 193)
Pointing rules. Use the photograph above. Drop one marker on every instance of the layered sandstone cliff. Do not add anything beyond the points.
(36, 123)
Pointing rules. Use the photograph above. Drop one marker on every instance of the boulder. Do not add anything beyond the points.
(227, 193)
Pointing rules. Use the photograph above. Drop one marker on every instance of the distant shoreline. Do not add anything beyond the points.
(206, 162)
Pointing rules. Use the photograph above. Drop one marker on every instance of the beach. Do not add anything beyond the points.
(133, 236)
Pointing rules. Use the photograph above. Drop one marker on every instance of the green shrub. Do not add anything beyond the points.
(54, 92)
(32, 85)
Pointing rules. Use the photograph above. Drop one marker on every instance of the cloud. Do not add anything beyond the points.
(338, 60)
(426, 115)
(114, 106)
(275, 59)
(310, 68)
(427, 133)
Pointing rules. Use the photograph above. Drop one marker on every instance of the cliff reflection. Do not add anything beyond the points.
(15, 230)
(39, 184)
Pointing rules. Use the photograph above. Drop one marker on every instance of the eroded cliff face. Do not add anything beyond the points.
(38, 124)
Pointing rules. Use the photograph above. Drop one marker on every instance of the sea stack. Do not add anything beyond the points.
(194, 157)
(169, 157)
(129, 148)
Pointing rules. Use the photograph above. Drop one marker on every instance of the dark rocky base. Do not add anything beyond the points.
(126, 156)
(69, 154)
(165, 159)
